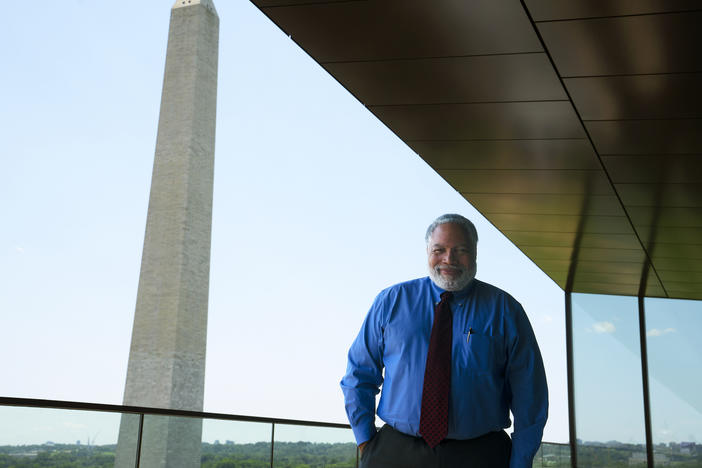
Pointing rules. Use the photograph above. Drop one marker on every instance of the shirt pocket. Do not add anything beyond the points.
(480, 353)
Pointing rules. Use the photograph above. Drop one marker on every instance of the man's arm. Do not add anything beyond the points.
(528, 392)
(363, 377)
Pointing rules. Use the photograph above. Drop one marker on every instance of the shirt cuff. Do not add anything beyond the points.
(364, 433)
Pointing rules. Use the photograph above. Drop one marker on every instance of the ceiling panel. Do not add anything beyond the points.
(661, 194)
(566, 253)
(646, 136)
(549, 10)
(538, 203)
(615, 289)
(667, 96)
(670, 235)
(677, 264)
(685, 293)
(535, 238)
(562, 223)
(624, 268)
(654, 169)
(495, 121)
(528, 181)
(687, 277)
(397, 29)
(628, 279)
(645, 216)
(677, 250)
(486, 78)
(472, 90)
(274, 3)
(567, 239)
(508, 154)
(625, 45)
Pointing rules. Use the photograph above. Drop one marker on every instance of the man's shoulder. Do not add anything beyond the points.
(416, 283)
(412, 287)
(491, 292)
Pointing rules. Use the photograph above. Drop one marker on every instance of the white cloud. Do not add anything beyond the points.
(604, 327)
(653, 332)
(548, 318)
(19, 249)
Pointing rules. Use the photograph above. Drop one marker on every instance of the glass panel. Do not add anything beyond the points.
(54, 437)
(675, 379)
(313, 447)
(235, 444)
(552, 455)
(608, 385)
(169, 441)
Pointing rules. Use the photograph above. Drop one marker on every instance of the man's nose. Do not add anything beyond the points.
(450, 256)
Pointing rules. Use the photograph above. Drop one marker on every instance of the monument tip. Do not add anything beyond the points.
(209, 4)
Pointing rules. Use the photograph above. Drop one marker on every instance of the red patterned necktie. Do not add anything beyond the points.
(433, 422)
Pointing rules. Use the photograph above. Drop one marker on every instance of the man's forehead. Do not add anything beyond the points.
(449, 232)
(456, 244)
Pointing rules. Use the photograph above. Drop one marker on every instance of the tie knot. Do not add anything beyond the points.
(446, 296)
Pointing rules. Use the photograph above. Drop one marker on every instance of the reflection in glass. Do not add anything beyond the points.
(552, 455)
(236, 443)
(55, 437)
(608, 384)
(313, 447)
(675, 380)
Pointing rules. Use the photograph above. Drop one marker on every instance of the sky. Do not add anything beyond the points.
(317, 207)
(608, 397)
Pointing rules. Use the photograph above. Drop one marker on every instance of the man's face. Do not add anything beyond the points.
(451, 264)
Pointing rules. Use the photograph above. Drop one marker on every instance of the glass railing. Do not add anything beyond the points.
(43, 433)
(552, 455)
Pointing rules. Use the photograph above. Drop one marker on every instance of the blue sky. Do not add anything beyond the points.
(608, 397)
(317, 207)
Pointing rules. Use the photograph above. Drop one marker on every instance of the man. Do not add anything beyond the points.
(457, 354)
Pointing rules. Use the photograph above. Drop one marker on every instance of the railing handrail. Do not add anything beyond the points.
(108, 408)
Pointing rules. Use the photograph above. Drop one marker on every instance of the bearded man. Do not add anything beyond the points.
(454, 356)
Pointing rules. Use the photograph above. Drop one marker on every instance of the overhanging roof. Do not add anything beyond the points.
(574, 127)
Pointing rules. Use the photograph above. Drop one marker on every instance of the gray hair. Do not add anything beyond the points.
(460, 221)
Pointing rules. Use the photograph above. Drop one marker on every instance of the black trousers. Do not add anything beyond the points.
(393, 449)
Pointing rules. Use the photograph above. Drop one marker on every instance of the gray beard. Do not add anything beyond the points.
(457, 284)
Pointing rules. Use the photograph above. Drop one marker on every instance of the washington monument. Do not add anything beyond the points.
(167, 354)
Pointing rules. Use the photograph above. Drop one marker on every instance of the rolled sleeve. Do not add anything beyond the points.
(364, 375)
(528, 392)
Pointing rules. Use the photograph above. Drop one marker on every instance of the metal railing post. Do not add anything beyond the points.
(137, 458)
(272, 442)
(644, 382)
(571, 379)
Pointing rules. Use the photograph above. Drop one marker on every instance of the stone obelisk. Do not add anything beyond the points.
(167, 355)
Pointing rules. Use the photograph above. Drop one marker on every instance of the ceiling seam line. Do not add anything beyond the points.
(520, 170)
(543, 214)
(631, 15)
(666, 119)
(284, 5)
(650, 154)
(495, 139)
(592, 143)
(624, 75)
(463, 103)
(428, 57)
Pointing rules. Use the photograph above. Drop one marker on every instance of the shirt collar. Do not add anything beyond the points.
(457, 295)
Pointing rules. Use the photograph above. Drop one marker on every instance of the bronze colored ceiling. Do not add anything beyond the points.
(575, 127)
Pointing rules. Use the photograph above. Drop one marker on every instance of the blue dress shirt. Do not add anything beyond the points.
(496, 366)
